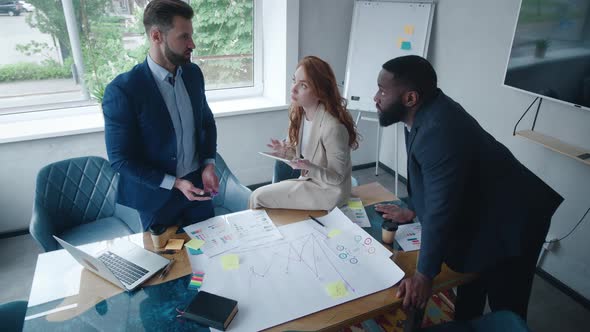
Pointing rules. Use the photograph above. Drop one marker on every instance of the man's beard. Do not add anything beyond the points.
(393, 114)
(175, 58)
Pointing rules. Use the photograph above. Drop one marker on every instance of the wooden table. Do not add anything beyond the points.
(76, 292)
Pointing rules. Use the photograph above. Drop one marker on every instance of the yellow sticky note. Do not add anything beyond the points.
(336, 289)
(400, 40)
(355, 204)
(174, 244)
(230, 262)
(194, 244)
(334, 232)
(409, 29)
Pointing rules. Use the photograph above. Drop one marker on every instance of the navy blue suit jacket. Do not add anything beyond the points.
(140, 138)
(477, 203)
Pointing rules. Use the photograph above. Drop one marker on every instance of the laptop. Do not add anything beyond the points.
(123, 264)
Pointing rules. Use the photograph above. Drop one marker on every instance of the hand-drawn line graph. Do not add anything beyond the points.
(306, 252)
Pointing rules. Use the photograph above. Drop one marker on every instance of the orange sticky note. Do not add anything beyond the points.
(409, 29)
(174, 244)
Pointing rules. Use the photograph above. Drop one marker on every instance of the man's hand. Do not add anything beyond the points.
(395, 213)
(189, 190)
(415, 291)
(210, 180)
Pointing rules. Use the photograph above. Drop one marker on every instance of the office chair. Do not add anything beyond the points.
(232, 196)
(283, 171)
(12, 316)
(75, 199)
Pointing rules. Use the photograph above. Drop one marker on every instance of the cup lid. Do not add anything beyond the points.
(389, 226)
(157, 229)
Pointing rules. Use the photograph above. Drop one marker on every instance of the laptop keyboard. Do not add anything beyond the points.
(123, 269)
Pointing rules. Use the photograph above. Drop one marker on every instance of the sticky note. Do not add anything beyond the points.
(194, 252)
(196, 280)
(409, 29)
(174, 244)
(334, 233)
(194, 244)
(355, 204)
(230, 262)
(400, 41)
(336, 289)
(406, 45)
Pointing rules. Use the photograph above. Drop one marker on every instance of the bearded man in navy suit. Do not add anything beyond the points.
(159, 130)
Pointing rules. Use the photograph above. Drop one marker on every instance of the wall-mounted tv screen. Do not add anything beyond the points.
(550, 53)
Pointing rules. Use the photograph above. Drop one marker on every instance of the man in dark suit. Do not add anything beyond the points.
(159, 130)
(481, 210)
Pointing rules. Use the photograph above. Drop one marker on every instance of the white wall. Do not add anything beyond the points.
(324, 30)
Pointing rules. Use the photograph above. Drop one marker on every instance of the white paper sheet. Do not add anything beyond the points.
(244, 228)
(216, 232)
(287, 279)
(253, 227)
(409, 236)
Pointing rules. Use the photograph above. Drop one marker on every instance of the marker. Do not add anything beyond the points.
(167, 269)
(314, 219)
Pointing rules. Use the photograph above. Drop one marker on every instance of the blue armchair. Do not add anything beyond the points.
(75, 199)
(233, 196)
(12, 316)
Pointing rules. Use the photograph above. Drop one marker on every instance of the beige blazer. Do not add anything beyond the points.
(327, 184)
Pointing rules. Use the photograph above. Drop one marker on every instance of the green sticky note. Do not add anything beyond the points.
(230, 262)
(355, 204)
(334, 232)
(194, 244)
(406, 45)
(336, 289)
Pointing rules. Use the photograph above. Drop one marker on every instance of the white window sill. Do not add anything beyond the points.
(88, 119)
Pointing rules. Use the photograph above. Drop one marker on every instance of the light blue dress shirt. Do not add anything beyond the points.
(181, 113)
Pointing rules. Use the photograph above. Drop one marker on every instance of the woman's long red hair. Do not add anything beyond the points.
(322, 82)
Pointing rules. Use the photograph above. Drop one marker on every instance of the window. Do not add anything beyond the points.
(41, 59)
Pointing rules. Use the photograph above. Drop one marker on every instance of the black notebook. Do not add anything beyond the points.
(212, 310)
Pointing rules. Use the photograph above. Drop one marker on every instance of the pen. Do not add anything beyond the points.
(167, 269)
(314, 219)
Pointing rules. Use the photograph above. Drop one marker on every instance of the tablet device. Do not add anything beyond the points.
(278, 156)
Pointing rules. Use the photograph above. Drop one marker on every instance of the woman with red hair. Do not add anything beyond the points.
(321, 136)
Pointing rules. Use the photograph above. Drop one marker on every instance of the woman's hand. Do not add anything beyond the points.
(279, 146)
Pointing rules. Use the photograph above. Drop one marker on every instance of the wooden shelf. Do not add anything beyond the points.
(556, 145)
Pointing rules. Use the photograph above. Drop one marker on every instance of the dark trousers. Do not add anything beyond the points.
(178, 210)
(506, 285)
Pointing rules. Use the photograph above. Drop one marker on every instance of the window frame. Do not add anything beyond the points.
(257, 88)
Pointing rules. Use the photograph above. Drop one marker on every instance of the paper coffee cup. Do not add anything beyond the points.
(388, 229)
(158, 234)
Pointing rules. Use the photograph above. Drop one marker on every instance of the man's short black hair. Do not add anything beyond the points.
(415, 73)
(161, 13)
